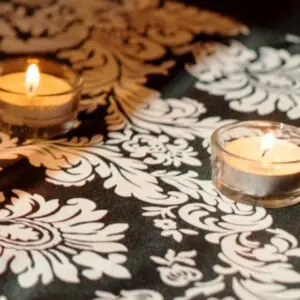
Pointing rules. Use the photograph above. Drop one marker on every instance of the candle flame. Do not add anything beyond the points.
(32, 78)
(267, 142)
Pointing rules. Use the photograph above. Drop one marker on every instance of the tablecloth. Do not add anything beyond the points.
(123, 207)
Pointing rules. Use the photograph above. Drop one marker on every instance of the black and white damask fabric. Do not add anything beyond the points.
(123, 206)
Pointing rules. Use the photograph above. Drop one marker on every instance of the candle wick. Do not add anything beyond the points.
(264, 153)
(30, 89)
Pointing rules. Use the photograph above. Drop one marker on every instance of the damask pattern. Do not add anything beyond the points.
(41, 240)
(115, 45)
(139, 199)
(263, 81)
(77, 161)
(254, 269)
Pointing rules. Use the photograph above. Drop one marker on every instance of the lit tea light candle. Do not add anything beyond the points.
(33, 88)
(266, 152)
(38, 99)
(261, 167)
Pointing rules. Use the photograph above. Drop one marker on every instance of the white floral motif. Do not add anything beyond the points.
(221, 217)
(165, 224)
(129, 295)
(245, 256)
(168, 225)
(251, 81)
(250, 289)
(159, 150)
(187, 183)
(204, 288)
(216, 214)
(292, 38)
(257, 270)
(177, 270)
(40, 240)
(178, 118)
(77, 161)
(263, 267)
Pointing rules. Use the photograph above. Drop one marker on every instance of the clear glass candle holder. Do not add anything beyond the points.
(246, 170)
(50, 111)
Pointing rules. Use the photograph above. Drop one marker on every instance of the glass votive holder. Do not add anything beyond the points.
(257, 162)
(38, 98)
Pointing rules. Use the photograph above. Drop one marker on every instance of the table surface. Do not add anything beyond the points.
(123, 207)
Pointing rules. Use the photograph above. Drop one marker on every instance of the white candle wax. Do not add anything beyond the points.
(48, 85)
(245, 168)
(249, 148)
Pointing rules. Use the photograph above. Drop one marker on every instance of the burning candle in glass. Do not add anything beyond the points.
(258, 162)
(38, 98)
